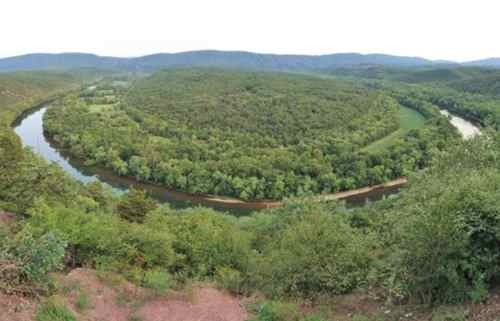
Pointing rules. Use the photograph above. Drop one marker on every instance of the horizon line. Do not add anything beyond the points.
(247, 52)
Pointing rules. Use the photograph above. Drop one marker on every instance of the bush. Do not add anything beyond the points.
(205, 240)
(135, 205)
(446, 247)
(157, 280)
(30, 259)
(277, 311)
(313, 253)
(94, 236)
(40, 256)
(53, 311)
(82, 300)
(229, 279)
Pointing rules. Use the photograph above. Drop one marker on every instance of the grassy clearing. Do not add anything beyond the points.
(100, 108)
(409, 119)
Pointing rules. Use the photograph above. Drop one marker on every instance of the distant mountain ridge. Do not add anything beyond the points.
(489, 62)
(207, 58)
(214, 58)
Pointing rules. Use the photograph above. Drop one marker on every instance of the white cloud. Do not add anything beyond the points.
(438, 29)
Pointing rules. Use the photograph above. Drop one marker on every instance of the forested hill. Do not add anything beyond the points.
(24, 89)
(208, 58)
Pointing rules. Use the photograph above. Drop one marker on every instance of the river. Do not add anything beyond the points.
(30, 130)
(466, 128)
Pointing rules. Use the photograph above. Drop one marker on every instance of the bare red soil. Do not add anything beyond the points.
(208, 305)
(122, 302)
(15, 308)
(112, 299)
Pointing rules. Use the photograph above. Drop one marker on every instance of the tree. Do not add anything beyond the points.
(135, 205)
(11, 152)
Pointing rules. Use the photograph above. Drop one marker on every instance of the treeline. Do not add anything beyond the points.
(246, 135)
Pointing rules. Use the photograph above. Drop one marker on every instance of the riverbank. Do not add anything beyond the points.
(466, 128)
(30, 130)
(363, 192)
(33, 136)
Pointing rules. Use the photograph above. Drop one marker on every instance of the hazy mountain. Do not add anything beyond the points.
(490, 62)
(207, 58)
(59, 62)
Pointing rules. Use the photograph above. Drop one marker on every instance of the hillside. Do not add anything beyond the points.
(487, 84)
(208, 58)
(409, 257)
(27, 88)
(423, 74)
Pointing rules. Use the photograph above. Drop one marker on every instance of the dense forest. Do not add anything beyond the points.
(247, 135)
(22, 89)
(468, 92)
(435, 243)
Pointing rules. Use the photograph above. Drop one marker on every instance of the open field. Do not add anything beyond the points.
(409, 119)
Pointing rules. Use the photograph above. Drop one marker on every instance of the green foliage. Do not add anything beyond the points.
(135, 205)
(39, 256)
(280, 311)
(54, 311)
(436, 242)
(409, 119)
(95, 236)
(30, 259)
(246, 135)
(22, 90)
(33, 178)
(445, 230)
(205, 241)
(277, 311)
(82, 301)
(157, 280)
(315, 252)
(230, 279)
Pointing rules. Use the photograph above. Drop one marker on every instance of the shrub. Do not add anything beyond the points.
(230, 279)
(82, 301)
(205, 240)
(39, 256)
(94, 236)
(315, 253)
(446, 247)
(157, 280)
(277, 311)
(53, 311)
(135, 205)
(30, 259)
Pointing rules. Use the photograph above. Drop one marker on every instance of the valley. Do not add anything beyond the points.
(93, 195)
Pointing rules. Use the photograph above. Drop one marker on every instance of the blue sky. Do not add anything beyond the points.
(438, 29)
